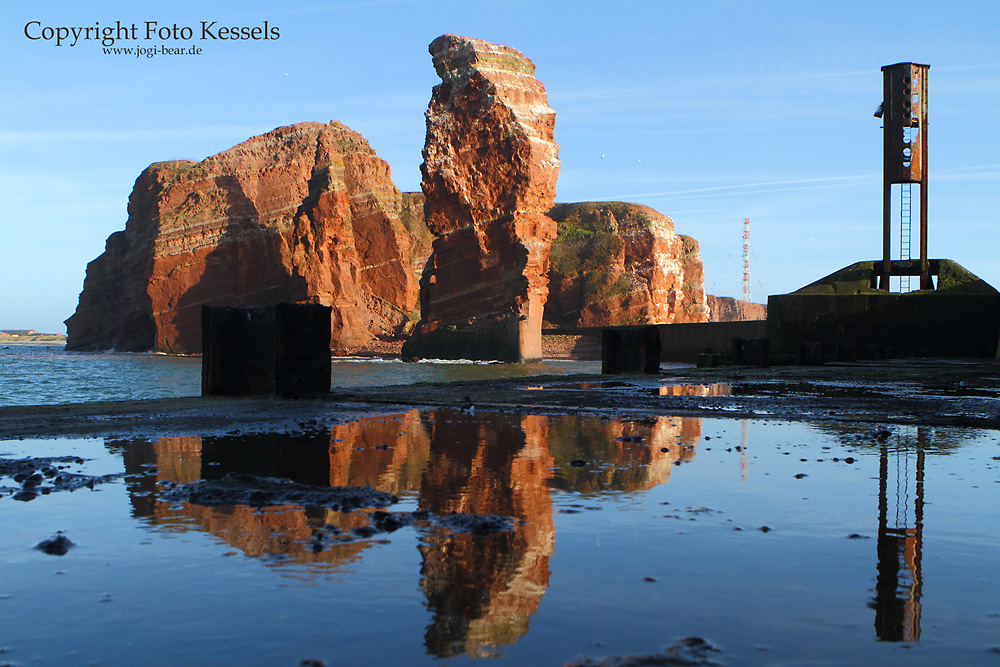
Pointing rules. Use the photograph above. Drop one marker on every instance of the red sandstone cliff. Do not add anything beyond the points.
(489, 176)
(305, 213)
(728, 309)
(615, 263)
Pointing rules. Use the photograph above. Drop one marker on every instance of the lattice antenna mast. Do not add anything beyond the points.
(746, 259)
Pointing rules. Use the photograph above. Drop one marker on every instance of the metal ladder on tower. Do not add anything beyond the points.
(905, 211)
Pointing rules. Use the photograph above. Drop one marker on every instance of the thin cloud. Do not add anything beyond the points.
(763, 186)
(145, 134)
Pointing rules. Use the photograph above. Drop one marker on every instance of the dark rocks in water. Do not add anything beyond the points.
(241, 489)
(58, 545)
(41, 476)
(365, 531)
(687, 651)
(26, 495)
(477, 524)
(391, 521)
(388, 522)
(578, 463)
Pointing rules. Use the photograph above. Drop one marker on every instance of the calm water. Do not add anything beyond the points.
(41, 374)
(628, 537)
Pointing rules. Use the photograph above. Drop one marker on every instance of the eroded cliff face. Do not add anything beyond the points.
(489, 176)
(615, 263)
(729, 309)
(305, 213)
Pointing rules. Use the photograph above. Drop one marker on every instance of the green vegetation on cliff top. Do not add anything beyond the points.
(589, 242)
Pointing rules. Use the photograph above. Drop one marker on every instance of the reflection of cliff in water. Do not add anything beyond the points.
(481, 589)
(619, 456)
(308, 459)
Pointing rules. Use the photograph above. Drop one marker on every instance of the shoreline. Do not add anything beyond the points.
(555, 347)
(928, 392)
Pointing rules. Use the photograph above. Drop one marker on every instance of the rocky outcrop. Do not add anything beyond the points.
(489, 176)
(421, 238)
(305, 213)
(728, 309)
(615, 263)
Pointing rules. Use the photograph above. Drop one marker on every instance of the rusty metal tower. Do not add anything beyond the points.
(904, 121)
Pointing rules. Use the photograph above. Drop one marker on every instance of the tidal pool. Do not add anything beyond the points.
(776, 542)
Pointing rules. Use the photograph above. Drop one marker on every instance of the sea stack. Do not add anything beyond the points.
(489, 177)
(304, 214)
(616, 263)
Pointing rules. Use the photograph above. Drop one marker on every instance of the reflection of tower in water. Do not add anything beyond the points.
(900, 534)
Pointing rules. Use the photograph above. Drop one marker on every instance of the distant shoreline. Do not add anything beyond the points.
(558, 347)
(34, 339)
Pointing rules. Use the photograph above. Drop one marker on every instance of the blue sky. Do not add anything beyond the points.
(707, 111)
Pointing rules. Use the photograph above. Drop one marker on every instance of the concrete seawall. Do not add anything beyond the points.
(683, 343)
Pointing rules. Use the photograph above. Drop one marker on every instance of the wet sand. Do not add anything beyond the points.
(485, 529)
(931, 392)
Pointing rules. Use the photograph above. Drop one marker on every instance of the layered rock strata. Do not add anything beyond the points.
(305, 213)
(729, 309)
(615, 263)
(489, 176)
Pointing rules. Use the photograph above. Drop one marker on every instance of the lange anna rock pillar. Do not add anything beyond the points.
(489, 177)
